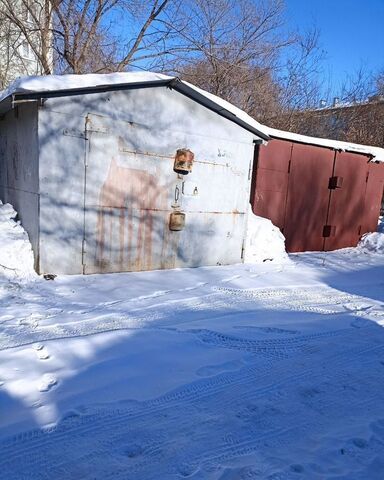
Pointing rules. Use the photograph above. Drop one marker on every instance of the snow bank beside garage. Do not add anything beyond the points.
(16, 256)
(264, 241)
(372, 242)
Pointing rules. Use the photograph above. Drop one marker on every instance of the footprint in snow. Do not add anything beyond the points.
(211, 370)
(158, 293)
(41, 351)
(47, 382)
(133, 451)
(31, 321)
(198, 285)
(229, 279)
(360, 443)
(360, 323)
(71, 415)
(297, 468)
(186, 470)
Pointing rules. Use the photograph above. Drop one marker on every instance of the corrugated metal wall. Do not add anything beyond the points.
(319, 198)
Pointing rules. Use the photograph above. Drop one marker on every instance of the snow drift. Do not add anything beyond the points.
(264, 241)
(373, 242)
(16, 256)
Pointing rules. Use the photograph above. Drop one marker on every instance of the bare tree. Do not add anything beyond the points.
(356, 113)
(240, 50)
(302, 83)
(225, 40)
(80, 35)
(9, 49)
(357, 87)
(30, 20)
(379, 81)
(237, 49)
(360, 115)
(89, 35)
(299, 75)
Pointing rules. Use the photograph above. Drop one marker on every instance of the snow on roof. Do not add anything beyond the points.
(50, 83)
(376, 153)
(231, 108)
(56, 83)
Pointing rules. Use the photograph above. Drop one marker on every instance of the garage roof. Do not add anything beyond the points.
(33, 88)
(375, 153)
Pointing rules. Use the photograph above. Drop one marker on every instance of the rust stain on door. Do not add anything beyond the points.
(129, 201)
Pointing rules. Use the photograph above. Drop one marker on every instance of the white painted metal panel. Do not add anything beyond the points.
(62, 169)
(131, 190)
(131, 185)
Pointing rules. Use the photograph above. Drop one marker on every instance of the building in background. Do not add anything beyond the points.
(17, 49)
(355, 122)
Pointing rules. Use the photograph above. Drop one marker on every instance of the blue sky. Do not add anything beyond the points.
(351, 32)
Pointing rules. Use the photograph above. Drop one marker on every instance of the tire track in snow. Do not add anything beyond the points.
(92, 426)
(242, 447)
(29, 330)
(105, 428)
(279, 348)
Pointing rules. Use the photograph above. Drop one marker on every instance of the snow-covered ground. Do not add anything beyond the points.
(269, 371)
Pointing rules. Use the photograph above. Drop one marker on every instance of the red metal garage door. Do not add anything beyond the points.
(373, 198)
(319, 198)
(308, 197)
(346, 208)
(270, 181)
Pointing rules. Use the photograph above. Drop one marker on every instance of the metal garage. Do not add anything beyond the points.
(322, 194)
(126, 172)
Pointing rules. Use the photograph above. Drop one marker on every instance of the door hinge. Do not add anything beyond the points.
(242, 250)
(335, 182)
(329, 231)
(250, 170)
